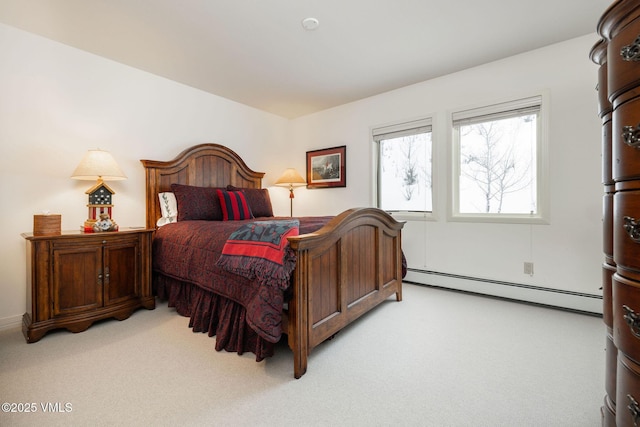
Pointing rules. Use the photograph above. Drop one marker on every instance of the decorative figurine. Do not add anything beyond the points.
(105, 224)
(100, 202)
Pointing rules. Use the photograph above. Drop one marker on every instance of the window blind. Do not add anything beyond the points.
(401, 129)
(520, 107)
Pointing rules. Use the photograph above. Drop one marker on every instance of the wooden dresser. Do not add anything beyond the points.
(618, 55)
(75, 278)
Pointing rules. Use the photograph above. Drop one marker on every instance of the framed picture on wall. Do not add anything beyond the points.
(327, 167)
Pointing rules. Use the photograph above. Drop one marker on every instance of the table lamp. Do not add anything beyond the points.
(290, 178)
(99, 165)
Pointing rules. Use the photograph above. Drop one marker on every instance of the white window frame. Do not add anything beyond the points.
(542, 162)
(397, 130)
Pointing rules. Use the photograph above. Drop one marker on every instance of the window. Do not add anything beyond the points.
(498, 162)
(404, 167)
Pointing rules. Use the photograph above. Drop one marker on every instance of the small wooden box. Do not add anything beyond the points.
(46, 225)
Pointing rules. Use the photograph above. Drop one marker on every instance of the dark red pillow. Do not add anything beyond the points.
(234, 205)
(258, 200)
(197, 203)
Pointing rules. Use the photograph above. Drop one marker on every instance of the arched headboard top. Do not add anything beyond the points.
(204, 165)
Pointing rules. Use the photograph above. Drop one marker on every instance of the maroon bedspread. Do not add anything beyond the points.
(188, 251)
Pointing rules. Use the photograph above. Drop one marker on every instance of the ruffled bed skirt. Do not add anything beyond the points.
(216, 315)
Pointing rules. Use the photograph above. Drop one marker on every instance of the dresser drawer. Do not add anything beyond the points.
(607, 161)
(627, 392)
(608, 413)
(626, 233)
(626, 316)
(623, 56)
(625, 136)
(604, 106)
(611, 365)
(607, 226)
(607, 296)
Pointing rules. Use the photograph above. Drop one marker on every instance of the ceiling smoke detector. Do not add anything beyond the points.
(310, 24)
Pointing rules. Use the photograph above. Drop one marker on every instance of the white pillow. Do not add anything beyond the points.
(169, 209)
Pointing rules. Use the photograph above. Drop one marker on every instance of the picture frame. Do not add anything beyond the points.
(326, 168)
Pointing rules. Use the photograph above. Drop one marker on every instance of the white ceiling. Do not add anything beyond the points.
(256, 52)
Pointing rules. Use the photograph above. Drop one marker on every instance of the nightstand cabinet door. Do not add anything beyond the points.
(121, 271)
(76, 279)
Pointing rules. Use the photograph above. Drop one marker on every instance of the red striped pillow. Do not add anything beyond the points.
(234, 205)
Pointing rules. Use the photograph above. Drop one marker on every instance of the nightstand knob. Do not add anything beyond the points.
(104, 242)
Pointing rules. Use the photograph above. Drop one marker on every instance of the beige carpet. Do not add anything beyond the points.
(438, 358)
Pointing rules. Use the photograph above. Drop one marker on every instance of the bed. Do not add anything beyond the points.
(344, 265)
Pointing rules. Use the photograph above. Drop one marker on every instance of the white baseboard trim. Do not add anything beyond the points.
(568, 300)
(13, 322)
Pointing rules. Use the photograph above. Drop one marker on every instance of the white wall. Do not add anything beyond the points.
(56, 102)
(567, 253)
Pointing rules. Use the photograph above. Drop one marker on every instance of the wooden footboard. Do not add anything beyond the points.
(343, 270)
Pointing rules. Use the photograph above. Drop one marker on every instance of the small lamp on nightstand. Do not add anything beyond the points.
(291, 178)
(101, 166)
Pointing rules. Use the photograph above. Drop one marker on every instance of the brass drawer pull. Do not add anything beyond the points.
(632, 227)
(632, 320)
(631, 136)
(634, 408)
(631, 52)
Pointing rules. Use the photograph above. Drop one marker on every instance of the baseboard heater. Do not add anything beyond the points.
(557, 298)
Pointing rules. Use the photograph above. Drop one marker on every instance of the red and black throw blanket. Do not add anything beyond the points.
(260, 251)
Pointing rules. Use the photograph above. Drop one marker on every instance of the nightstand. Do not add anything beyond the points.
(76, 278)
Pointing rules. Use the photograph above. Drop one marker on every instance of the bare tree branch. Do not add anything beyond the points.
(494, 167)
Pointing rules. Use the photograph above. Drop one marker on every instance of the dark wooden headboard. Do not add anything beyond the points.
(204, 165)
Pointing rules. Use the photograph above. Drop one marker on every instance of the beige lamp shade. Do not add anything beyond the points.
(98, 164)
(290, 178)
